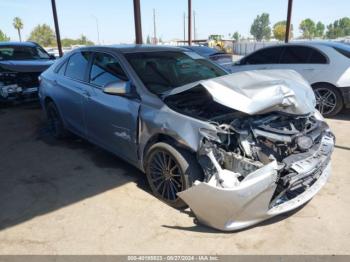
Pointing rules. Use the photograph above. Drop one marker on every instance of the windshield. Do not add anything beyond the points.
(162, 71)
(343, 49)
(22, 53)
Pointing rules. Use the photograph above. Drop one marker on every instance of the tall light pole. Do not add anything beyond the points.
(189, 22)
(289, 17)
(57, 29)
(194, 25)
(184, 27)
(154, 27)
(137, 20)
(97, 29)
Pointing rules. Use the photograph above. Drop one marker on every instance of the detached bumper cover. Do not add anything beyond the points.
(249, 203)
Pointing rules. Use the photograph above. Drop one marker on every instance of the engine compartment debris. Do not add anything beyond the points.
(271, 157)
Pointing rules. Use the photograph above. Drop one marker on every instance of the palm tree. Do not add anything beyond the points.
(18, 24)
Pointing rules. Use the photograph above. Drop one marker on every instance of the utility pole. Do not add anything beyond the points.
(189, 22)
(289, 16)
(194, 25)
(154, 27)
(97, 28)
(57, 29)
(184, 27)
(137, 20)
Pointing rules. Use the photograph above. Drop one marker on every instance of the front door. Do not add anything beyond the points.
(111, 120)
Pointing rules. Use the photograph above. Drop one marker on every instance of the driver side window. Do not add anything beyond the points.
(106, 69)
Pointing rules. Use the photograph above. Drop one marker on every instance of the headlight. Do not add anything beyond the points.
(304, 142)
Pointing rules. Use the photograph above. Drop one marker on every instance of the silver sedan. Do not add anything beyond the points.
(236, 148)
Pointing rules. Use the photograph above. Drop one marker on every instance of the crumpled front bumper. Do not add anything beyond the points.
(15, 92)
(249, 203)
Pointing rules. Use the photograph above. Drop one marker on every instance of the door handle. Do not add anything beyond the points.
(309, 69)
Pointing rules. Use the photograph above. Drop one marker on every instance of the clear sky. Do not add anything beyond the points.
(115, 17)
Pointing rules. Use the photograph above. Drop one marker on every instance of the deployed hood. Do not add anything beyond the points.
(260, 91)
(26, 65)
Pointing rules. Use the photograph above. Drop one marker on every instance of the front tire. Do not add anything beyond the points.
(170, 170)
(329, 100)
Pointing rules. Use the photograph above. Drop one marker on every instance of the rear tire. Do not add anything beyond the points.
(55, 123)
(170, 170)
(329, 100)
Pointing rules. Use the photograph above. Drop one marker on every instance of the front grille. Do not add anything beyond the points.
(286, 191)
(22, 79)
(27, 80)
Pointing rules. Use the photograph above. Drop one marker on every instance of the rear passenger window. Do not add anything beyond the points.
(269, 55)
(106, 69)
(302, 55)
(296, 55)
(76, 66)
(62, 68)
(318, 58)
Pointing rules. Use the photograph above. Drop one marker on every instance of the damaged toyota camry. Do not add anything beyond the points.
(236, 148)
(20, 65)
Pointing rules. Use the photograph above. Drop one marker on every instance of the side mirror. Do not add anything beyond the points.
(117, 88)
(52, 57)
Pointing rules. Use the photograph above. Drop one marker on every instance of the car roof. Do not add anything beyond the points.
(334, 44)
(311, 43)
(133, 48)
(31, 44)
(315, 44)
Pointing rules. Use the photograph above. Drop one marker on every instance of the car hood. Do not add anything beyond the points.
(259, 91)
(26, 65)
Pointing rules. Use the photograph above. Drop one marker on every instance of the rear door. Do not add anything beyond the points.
(111, 120)
(307, 61)
(74, 91)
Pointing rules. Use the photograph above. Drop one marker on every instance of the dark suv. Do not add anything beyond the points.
(20, 66)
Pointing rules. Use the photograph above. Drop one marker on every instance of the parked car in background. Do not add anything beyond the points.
(20, 66)
(237, 148)
(219, 57)
(325, 65)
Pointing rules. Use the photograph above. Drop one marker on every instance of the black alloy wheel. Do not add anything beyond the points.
(169, 171)
(328, 100)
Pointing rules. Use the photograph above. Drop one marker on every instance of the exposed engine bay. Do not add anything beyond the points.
(243, 145)
(299, 145)
(19, 85)
(264, 149)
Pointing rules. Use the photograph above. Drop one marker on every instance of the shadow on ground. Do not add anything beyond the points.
(39, 175)
(343, 115)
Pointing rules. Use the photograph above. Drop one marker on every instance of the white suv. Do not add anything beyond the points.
(326, 65)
